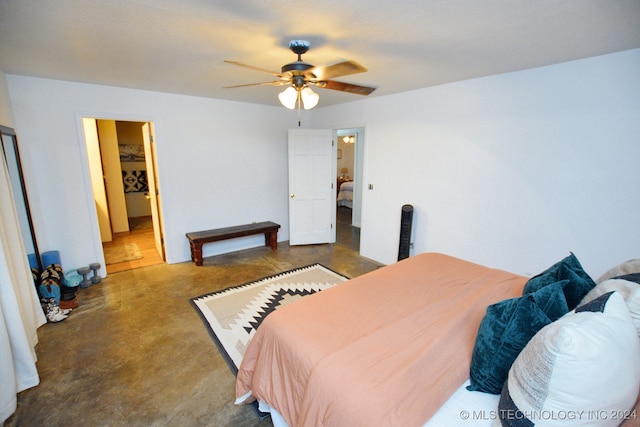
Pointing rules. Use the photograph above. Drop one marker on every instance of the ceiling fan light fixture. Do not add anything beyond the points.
(288, 97)
(299, 75)
(309, 98)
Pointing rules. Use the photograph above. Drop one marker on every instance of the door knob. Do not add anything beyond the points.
(293, 196)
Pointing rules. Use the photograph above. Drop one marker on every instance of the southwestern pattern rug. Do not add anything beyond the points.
(233, 314)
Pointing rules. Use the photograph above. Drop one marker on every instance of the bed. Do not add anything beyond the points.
(345, 194)
(395, 347)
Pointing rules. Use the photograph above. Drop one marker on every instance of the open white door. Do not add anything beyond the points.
(154, 190)
(312, 204)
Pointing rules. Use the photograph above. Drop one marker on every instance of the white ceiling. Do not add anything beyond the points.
(179, 45)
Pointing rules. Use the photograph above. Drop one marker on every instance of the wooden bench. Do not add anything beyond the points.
(199, 238)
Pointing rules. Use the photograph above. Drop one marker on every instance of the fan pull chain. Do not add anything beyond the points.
(299, 102)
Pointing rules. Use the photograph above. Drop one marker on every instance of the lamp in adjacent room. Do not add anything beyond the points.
(344, 172)
(349, 139)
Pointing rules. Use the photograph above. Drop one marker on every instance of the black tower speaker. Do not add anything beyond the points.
(405, 232)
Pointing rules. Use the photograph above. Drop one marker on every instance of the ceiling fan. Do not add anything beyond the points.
(301, 75)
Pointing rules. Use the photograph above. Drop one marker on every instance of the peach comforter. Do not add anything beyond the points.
(385, 348)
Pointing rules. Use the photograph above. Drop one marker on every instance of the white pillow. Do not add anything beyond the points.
(581, 370)
(629, 290)
(627, 267)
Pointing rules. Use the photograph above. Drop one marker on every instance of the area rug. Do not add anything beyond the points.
(233, 314)
(116, 254)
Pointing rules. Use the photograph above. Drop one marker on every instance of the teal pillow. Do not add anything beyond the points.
(580, 283)
(506, 329)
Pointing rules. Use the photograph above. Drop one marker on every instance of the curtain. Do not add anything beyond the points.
(20, 311)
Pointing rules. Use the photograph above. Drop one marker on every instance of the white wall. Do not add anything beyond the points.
(512, 171)
(220, 163)
(6, 113)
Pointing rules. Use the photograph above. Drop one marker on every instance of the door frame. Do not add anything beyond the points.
(150, 154)
(85, 164)
(359, 170)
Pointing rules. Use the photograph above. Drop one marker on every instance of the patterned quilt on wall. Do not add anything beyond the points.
(135, 181)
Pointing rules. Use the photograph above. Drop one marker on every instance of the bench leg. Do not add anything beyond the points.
(271, 239)
(196, 253)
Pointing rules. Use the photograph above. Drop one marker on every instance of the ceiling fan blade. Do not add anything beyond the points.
(345, 87)
(276, 83)
(252, 67)
(337, 70)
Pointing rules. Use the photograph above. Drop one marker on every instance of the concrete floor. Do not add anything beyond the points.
(135, 353)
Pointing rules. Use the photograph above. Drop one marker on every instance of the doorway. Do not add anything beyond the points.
(349, 170)
(124, 180)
